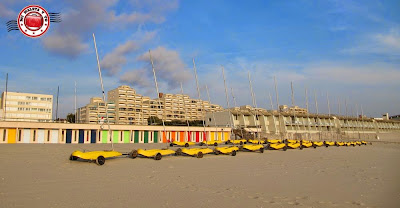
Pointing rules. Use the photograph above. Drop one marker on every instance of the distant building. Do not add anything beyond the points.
(385, 116)
(132, 108)
(95, 112)
(26, 107)
(293, 109)
(395, 117)
(182, 107)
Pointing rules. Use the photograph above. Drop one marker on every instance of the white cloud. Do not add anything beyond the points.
(68, 45)
(390, 40)
(387, 44)
(359, 83)
(7, 13)
(136, 78)
(84, 16)
(168, 65)
(367, 75)
(112, 62)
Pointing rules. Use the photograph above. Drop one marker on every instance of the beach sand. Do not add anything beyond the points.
(41, 175)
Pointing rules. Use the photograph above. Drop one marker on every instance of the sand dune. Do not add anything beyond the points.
(40, 175)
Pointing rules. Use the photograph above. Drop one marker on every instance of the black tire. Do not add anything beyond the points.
(171, 145)
(186, 144)
(262, 150)
(326, 145)
(226, 142)
(73, 157)
(216, 152)
(234, 153)
(178, 152)
(201, 144)
(199, 155)
(215, 144)
(158, 156)
(100, 160)
(314, 145)
(133, 154)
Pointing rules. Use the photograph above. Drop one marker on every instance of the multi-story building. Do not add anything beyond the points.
(395, 117)
(18, 106)
(294, 109)
(130, 107)
(133, 108)
(182, 107)
(95, 112)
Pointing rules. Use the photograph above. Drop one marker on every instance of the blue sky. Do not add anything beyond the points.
(348, 49)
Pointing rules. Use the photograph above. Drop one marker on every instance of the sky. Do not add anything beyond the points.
(340, 51)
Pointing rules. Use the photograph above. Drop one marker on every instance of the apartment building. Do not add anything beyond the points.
(133, 108)
(294, 109)
(182, 107)
(18, 106)
(270, 122)
(130, 107)
(95, 112)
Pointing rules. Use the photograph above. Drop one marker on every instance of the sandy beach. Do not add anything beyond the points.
(40, 175)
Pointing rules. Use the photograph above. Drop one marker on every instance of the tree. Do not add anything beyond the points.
(71, 118)
(154, 120)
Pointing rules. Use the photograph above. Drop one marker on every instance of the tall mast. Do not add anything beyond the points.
(158, 96)
(213, 112)
(201, 102)
(58, 91)
(104, 95)
(227, 101)
(254, 105)
(5, 98)
(329, 106)
(358, 128)
(329, 112)
(294, 111)
(316, 107)
(281, 125)
(272, 111)
(76, 113)
(308, 115)
(184, 106)
(362, 120)
(234, 102)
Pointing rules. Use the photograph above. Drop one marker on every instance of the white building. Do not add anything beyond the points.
(18, 106)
